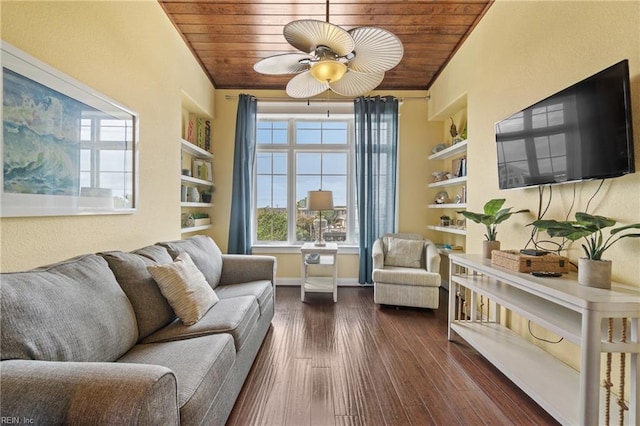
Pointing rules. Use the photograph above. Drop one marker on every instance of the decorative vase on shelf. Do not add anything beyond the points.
(488, 247)
(193, 196)
(594, 273)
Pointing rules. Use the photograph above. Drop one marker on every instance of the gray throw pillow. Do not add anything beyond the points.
(151, 308)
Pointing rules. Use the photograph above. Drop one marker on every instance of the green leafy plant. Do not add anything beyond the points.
(492, 215)
(590, 228)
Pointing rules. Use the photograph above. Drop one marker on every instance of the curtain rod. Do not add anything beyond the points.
(284, 99)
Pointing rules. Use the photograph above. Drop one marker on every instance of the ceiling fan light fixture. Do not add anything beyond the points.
(328, 70)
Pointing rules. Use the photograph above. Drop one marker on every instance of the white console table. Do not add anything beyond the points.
(579, 314)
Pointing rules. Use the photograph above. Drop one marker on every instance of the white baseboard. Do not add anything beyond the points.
(295, 282)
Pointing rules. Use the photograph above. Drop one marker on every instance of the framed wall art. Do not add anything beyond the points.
(66, 149)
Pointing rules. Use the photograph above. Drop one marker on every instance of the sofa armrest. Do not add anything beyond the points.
(377, 252)
(96, 393)
(432, 257)
(240, 268)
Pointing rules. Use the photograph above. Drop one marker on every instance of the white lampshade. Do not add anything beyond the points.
(320, 200)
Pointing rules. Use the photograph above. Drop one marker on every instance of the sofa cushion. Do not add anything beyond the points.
(69, 311)
(261, 290)
(404, 252)
(151, 308)
(185, 288)
(236, 316)
(406, 276)
(203, 251)
(200, 365)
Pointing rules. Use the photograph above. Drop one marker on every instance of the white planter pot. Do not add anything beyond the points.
(488, 247)
(594, 273)
(201, 222)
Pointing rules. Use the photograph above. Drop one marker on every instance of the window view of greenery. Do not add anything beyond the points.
(296, 156)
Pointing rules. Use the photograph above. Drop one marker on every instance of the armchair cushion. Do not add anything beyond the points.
(405, 253)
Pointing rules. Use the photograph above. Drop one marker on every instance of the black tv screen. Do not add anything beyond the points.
(582, 132)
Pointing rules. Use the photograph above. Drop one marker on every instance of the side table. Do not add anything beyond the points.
(328, 261)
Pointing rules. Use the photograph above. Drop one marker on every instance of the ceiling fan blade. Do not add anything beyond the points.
(287, 63)
(355, 83)
(305, 86)
(377, 50)
(307, 34)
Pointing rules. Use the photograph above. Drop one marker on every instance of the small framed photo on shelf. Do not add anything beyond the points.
(202, 169)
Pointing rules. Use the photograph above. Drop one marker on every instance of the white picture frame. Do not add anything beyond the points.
(66, 149)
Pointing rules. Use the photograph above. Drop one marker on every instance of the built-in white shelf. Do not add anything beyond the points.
(194, 149)
(448, 229)
(456, 149)
(195, 181)
(449, 182)
(195, 228)
(192, 204)
(448, 206)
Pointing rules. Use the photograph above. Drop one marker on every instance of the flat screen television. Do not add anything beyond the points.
(582, 132)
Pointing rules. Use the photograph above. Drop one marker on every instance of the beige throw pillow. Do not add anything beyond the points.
(405, 253)
(185, 288)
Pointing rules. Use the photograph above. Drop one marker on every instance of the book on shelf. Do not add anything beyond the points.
(190, 128)
(460, 167)
(200, 132)
(207, 135)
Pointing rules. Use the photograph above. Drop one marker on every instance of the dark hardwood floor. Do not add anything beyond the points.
(354, 363)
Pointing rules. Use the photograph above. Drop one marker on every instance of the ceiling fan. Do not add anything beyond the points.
(349, 63)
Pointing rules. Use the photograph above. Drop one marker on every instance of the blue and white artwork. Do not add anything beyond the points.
(41, 130)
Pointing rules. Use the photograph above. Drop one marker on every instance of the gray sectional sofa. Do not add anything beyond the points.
(92, 340)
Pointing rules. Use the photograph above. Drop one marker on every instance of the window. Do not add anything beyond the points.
(296, 154)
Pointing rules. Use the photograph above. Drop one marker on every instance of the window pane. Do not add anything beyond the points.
(271, 132)
(271, 197)
(308, 164)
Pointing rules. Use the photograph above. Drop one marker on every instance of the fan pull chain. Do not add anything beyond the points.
(621, 403)
(607, 381)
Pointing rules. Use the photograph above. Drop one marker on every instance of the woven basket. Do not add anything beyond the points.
(516, 261)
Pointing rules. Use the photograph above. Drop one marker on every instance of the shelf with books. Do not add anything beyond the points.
(197, 173)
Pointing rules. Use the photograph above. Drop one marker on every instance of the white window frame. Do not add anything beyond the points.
(291, 148)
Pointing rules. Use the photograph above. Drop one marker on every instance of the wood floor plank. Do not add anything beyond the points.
(352, 363)
(322, 412)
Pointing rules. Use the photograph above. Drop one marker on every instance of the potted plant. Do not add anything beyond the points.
(201, 218)
(593, 271)
(206, 194)
(492, 215)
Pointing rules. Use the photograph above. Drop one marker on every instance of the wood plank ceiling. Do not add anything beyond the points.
(229, 37)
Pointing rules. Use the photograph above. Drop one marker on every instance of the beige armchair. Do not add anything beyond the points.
(406, 271)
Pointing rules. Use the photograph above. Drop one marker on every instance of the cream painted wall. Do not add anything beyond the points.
(414, 133)
(522, 52)
(130, 52)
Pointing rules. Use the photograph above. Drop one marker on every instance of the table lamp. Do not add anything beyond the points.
(320, 200)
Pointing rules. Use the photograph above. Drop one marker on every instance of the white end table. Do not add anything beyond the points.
(328, 261)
